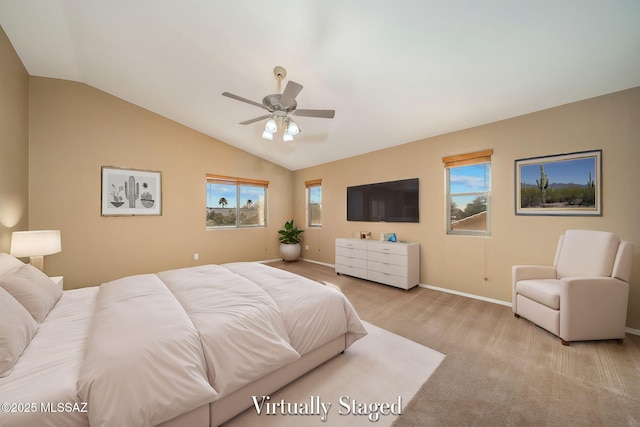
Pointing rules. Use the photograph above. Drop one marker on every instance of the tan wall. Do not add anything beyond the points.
(76, 129)
(610, 123)
(14, 143)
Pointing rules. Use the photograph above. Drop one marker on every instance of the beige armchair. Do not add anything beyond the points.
(584, 295)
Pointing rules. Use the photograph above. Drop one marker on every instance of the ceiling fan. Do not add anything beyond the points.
(281, 106)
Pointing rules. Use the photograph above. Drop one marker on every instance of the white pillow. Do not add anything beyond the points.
(33, 289)
(17, 327)
(9, 263)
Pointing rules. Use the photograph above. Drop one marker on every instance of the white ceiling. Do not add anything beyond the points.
(394, 71)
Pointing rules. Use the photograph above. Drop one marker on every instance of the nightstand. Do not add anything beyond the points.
(57, 280)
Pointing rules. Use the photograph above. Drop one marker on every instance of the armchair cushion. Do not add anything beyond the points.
(544, 291)
(586, 253)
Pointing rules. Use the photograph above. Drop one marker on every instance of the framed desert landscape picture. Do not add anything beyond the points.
(561, 184)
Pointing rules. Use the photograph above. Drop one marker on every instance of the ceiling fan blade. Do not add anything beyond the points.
(239, 98)
(325, 114)
(257, 119)
(290, 92)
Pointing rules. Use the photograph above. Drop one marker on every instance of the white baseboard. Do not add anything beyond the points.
(265, 261)
(450, 291)
(464, 294)
(318, 262)
(632, 331)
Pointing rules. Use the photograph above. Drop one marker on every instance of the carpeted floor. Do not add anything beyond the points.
(382, 367)
(498, 370)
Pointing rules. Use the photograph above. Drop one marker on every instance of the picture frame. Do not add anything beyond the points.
(130, 192)
(568, 184)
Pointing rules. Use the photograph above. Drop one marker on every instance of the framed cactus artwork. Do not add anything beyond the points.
(127, 192)
(561, 184)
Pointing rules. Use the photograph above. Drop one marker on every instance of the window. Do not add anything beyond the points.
(468, 178)
(236, 202)
(314, 203)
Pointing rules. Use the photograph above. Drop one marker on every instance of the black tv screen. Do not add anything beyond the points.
(394, 201)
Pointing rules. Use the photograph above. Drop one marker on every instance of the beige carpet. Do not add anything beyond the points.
(382, 368)
(499, 370)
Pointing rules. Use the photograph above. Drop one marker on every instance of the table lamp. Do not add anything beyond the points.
(35, 245)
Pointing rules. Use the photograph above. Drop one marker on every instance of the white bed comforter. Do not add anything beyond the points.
(254, 319)
(314, 313)
(242, 330)
(159, 345)
(144, 363)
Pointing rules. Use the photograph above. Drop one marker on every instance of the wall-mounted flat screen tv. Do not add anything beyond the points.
(394, 201)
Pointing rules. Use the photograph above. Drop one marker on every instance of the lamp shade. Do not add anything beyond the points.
(35, 243)
(271, 126)
(292, 128)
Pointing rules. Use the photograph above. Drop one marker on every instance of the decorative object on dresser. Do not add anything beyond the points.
(391, 263)
(365, 234)
(388, 237)
(35, 245)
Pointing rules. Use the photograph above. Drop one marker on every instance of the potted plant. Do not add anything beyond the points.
(290, 241)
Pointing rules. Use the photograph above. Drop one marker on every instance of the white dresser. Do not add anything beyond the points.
(392, 263)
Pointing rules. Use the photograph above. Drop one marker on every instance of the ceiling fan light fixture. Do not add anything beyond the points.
(292, 128)
(271, 126)
(280, 106)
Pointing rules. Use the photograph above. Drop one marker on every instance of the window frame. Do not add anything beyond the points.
(462, 160)
(238, 183)
(315, 183)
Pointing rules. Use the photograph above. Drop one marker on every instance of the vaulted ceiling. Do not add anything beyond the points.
(394, 71)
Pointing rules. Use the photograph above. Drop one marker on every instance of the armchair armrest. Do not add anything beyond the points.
(527, 272)
(593, 308)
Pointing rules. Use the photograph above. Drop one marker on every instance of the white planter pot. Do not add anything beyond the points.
(290, 252)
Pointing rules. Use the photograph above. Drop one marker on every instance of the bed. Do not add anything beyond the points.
(184, 347)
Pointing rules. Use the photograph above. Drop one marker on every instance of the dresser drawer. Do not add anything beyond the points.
(380, 267)
(388, 248)
(351, 271)
(351, 253)
(388, 258)
(351, 243)
(388, 279)
(351, 262)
